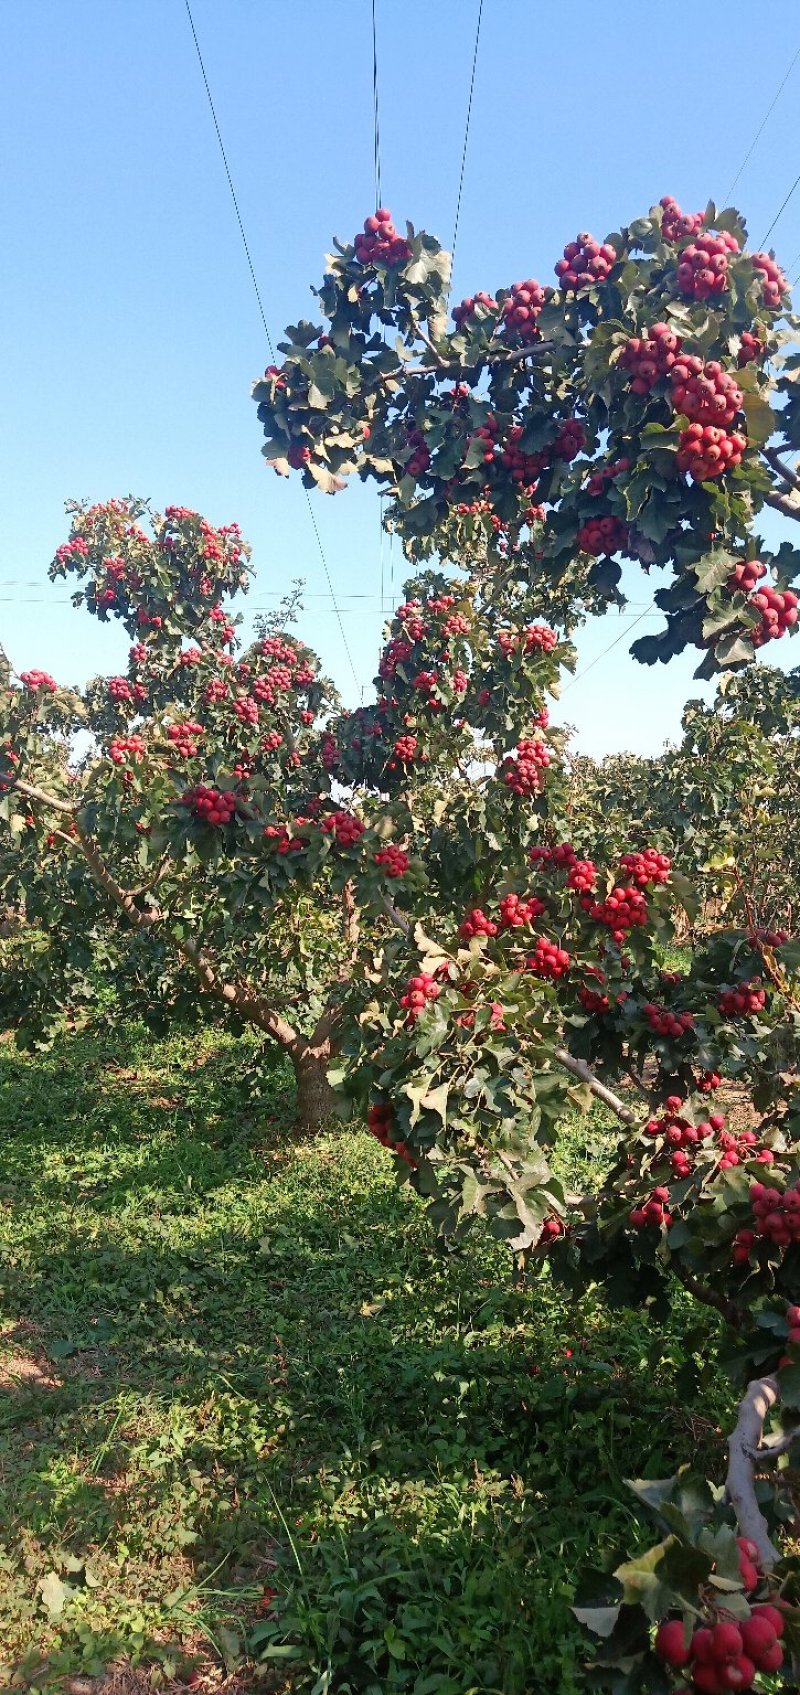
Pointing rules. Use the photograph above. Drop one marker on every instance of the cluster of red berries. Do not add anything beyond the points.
(185, 738)
(582, 876)
(288, 843)
(119, 690)
(547, 960)
(570, 441)
(598, 479)
(676, 225)
(38, 680)
(380, 243)
(379, 1119)
(593, 1000)
(745, 575)
(522, 307)
(345, 827)
(539, 638)
(394, 860)
(665, 1023)
(774, 284)
(523, 467)
(209, 805)
(603, 535)
(778, 614)
(585, 262)
(705, 393)
(563, 855)
(654, 1211)
(246, 712)
(738, 1149)
(744, 1001)
(708, 1082)
(272, 741)
(771, 938)
(215, 691)
(191, 656)
(421, 989)
(406, 750)
(703, 267)
(420, 457)
(750, 348)
(466, 309)
(523, 773)
(650, 866)
(476, 923)
(622, 910)
(650, 357)
(515, 913)
(776, 1213)
(725, 1655)
(123, 748)
(705, 451)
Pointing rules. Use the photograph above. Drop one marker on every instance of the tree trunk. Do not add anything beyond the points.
(314, 1094)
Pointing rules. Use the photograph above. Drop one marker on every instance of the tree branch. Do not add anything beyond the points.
(784, 503)
(761, 1395)
(778, 464)
(397, 918)
(709, 1297)
(33, 793)
(583, 1072)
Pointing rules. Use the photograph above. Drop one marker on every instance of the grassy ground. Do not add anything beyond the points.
(234, 1365)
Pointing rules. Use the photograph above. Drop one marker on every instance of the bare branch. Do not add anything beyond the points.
(709, 1297)
(397, 918)
(784, 503)
(583, 1072)
(770, 1451)
(778, 464)
(31, 792)
(761, 1395)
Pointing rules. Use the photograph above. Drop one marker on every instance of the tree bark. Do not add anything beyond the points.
(315, 1097)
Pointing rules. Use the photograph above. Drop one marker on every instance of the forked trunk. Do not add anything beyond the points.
(314, 1093)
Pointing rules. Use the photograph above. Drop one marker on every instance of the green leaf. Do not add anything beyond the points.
(601, 1621)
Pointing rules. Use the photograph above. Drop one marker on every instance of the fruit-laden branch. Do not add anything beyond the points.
(743, 1447)
(250, 1006)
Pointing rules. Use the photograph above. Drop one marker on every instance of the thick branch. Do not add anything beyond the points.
(583, 1072)
(709, 1297)
(745, 1439)
(778, 464)
(784, 503)
(33, 793)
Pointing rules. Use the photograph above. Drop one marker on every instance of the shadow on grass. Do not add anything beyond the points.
(264, 1360)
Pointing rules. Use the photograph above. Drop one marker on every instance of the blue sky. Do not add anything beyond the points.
(130, 326)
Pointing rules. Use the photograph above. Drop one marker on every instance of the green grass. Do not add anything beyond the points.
(268, 1380)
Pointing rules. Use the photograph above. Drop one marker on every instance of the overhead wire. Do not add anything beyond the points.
(781, 210)
(257, 291)
(376, 124)
(466, 134)
(649, 610)
(762, 126)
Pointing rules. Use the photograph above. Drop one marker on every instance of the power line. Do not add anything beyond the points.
(780, 211)
(466, 132)
(762, 125)
(264, 322)
(230, 179)
(649, 611)
(376, 127)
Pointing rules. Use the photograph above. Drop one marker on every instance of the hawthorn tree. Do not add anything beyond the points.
(395, 893)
